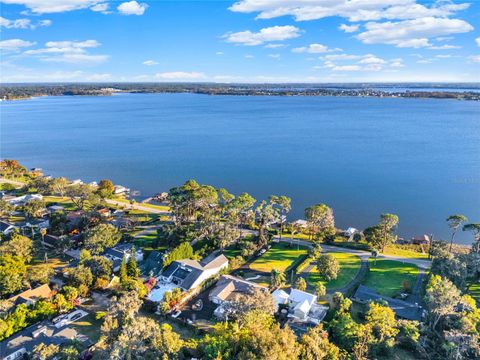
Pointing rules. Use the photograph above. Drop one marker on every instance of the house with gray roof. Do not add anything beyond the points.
(6, 228)
(402, 309)
(22, 343)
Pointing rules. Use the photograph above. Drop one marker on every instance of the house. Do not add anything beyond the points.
(402, 309)
(153, 264)
(228, 289)
(421, 240)
(300, 223)
(20, 345)
(188, 274)
(6, 228)
(119, 189)
(302, 306)
(104, 212)
(350, 232)
(116, 254)
(31, 296)
(77, 182)
(22, 200)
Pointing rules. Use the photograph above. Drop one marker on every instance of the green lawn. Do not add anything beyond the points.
(396, 250)
(349, 266)
(474, 291)
(151, 206)
(280, 257)
(89, 326)
(232, 252)
(387, 276)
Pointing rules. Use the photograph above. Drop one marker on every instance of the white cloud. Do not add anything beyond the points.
(474, 58)
(53, 6)
(132, 8)
(444, 47)
(359, 10)
(248, 56)
(371, 59)
(150, 62)
(219, 53)
(274, 56)
(477, 40)
(314, 49)
(348, 28)
(397, 63)
(346, 68)
(411, 33)
(340, 57)
(424, 61)
(180, 75)
(446, 56)
(101, 7)
(274, 33)
(275, 46)
(14, 44)
(22, 23)
(68, 51)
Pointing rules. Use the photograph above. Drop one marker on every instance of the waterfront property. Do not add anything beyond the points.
(302, 306)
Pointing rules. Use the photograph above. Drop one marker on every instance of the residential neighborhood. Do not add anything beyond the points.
(86, 272)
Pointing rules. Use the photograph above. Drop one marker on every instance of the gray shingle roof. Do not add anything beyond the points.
(401, 308)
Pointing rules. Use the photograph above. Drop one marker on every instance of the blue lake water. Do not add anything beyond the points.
(418, 158)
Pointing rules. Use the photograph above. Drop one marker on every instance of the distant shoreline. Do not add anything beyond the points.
(25, 92)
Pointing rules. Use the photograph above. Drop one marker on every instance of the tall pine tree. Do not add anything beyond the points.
(123, 271)
(132, 267)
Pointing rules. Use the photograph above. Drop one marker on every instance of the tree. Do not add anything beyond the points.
(182, 251)
(315, 251)
(100, 267)
(328, 267)
(373, 235)
(81, 276)
(58, 223)
(79, 194)
(70, 293)
(12, 274)
(40, 274)
(320, 290)
(320, 219)
(315, 345)
(5, 208)
(301, 284)
(243, 303)
(58, 186)
(441, 296)
(34, 208)
(383, 324)
(45, 352)
(132, 268)
(475, 229)
(61, 303)
(277, 278)
(123, 271)
(454, 223)
(18, 245)
(243, 204)
(105, 189)
(11, 168)
(100, 237)
(386, 225)
(265, 215)
(284, 203)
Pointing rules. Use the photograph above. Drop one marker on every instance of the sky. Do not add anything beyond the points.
(254, 41)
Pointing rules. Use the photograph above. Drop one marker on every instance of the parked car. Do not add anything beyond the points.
(176, 314)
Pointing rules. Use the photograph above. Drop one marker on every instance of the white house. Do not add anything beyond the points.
(302, 306)
(22, 200)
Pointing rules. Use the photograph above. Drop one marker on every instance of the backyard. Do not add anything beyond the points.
(389, 276)
(280, 256)
(349, 266)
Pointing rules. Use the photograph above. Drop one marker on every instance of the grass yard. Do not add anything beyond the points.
(349, 266)
(387, 276)
(147, 205)
(395, 250)
(232, 252)
(89, 326)
(62, 201)
(280, 257)
(474, 291)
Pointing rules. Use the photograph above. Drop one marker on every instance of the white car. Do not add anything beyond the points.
(176, 314)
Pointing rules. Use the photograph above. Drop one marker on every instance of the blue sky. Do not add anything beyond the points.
(240, 41)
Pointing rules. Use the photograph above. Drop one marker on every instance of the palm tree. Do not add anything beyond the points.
(277, 278)
(454, 223)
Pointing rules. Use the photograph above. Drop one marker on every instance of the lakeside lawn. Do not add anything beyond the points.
(387, 276)
(349, 267)
(280, 256)
(147, 205)
(474, 291)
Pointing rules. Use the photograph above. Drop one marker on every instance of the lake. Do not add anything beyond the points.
(418, 158)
